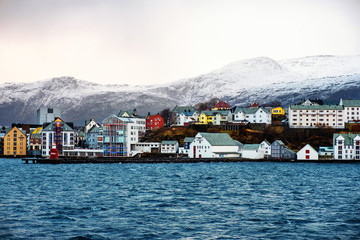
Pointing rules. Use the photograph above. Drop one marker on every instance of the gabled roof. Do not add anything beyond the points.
(169, 142)
(64, 127)
(280, 142)
(131, 113)
(37, 130)
(351, 103)
(239, 143)
(348, 137)
(178, 109)
(250, 110)
(266, 141)
(94, 129)
(251, 146)
(215, 112)
(222, 105)
(316, 107)
(112, 119)
(188, 139)
(218, 139)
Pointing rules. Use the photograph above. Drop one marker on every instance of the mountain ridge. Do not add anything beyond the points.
(259, 79)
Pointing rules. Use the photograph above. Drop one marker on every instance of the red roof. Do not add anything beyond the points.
(222, 105)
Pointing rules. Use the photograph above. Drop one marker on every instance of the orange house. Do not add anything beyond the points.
(15, 143)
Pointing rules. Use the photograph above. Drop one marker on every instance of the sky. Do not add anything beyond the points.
(140, 42)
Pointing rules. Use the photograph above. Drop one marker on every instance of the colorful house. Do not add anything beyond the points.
(213, 117)
(35, 142)
(15, 143)
(278, 111)
(154, 121)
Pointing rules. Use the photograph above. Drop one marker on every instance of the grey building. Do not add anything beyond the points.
(45, 115)
(280, 151)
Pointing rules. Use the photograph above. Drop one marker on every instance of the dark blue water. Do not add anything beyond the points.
(179, 201)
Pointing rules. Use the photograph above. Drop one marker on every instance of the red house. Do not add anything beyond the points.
(154, 121)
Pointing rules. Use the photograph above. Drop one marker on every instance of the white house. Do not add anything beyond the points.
(249, 114)
(346, 146)
(213, 145)
(59, 133)
(185, 117)
(146, 147)
(252, 151)
(169, 147)
(307, 153)
(265, 149)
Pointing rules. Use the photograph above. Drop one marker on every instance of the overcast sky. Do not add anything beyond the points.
(159, 41)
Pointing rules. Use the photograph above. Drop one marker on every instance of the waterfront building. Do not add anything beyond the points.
(307, 153)
(169, 146)
(94, 138)
(59, 133)
(326, 151)
(14, 142)
(154, 121)
(265, 149)
(252, 151)
(45, 115)
(346, 146)
(89, 124)
(280, 151)
(312, 116)
(185, 149)
(213, 145)
(35, 142)
(351, 109)
(147, 147)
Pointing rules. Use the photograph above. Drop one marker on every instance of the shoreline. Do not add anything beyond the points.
(170, 160)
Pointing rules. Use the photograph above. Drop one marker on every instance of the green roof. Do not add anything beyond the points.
(351, 103)
(316, 107)
(169, 142)
(238, 143)
(94, 129)
(131, 113)
(219, 139)
(178, 109)
(188, 139)
(215, 112)
(251, 146)
(64, 126)
(348, 137)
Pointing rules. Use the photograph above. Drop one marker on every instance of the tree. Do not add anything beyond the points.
(166, 115)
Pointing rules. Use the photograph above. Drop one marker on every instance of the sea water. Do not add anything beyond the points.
(179, 201)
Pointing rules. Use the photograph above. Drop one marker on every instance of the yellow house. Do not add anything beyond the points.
(15, 143)
(206, 117)
(278, 111)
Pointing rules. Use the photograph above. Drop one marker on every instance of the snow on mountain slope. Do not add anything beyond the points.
(259, 79)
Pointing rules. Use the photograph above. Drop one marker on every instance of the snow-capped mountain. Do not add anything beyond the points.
(259, 79)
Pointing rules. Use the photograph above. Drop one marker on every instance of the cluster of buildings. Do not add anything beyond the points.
(120, 135)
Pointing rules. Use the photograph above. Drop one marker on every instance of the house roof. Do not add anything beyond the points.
(308, 146)
(250, 110)
(222, 105)
(238, 143)
(178, 109)
(188, 139)
(280, 142)
(348, 137)
(169, 142)
(251, 146)
(215, 112)
(219, 139)
(351, 103)
(113, 119)
(94, 129)
(131, 113)
(316, 107)
(64, 126)
(188, 113)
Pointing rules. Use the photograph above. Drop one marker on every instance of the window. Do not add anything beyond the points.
(307, 151)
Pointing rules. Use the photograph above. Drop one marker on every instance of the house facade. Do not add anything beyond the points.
(94, 138)
(352, 110)
(185, 149)
(154, 121)
(249, 114)
(346, 146)
(280, 151)
(213, 145)
(14, 143)
(58, 133)
(169, 146)
(312, 116)
(252, 151)
(307, 153)
(185, 118)
(278, 111)
(35, 142)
